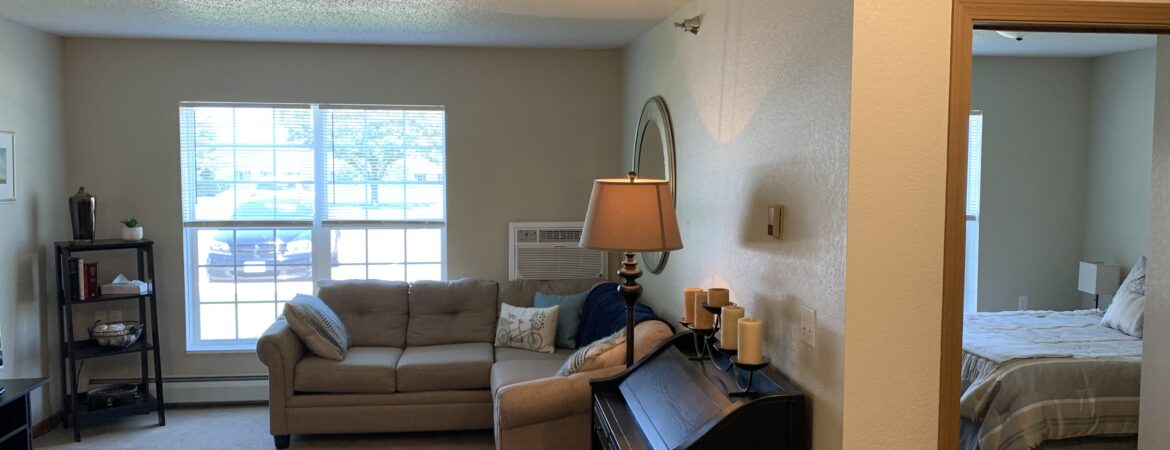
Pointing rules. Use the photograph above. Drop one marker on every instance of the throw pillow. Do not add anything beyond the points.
(1136, 280)
(570, 315)
(318, 326)
(602, 353)
(1126, 314)
(533, 329)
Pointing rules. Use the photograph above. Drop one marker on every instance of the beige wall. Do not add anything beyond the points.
(32, 105)
(1117, 194)
(527, 132)
(1032, 204)
(760, 103)
(897, 174)
(1153, 433)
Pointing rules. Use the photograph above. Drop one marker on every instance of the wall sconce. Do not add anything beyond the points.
(691, 25)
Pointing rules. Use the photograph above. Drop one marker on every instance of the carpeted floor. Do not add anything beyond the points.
(244, 427)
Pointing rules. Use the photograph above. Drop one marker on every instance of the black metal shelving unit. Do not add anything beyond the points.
(74, 351)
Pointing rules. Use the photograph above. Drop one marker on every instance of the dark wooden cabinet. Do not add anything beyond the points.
(16, 413)
(670, 400)
(74, 351)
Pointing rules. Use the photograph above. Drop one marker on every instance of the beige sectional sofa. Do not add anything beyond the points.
(421, 358)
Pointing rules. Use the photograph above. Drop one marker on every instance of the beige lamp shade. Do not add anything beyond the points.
(631, 216)
(1098, 278)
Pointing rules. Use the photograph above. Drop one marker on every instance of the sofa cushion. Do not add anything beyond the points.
(504, 354)
(318, 326)
(528, 328)
(364, 370)
(569, 318)
(512, 372)
(452, 312)
(445, 367)
(373, 311)
(522, 292)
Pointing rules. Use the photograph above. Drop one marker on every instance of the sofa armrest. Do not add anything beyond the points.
(547, 399)
(280, 349)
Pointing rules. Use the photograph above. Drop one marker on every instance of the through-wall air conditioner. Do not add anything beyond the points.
(549, 251)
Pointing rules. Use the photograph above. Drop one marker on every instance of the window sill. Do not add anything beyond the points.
(212, 349)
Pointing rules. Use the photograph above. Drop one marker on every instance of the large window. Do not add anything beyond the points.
(276, 197)
(974, 184)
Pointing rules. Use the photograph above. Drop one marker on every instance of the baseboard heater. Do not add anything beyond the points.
(212, 389)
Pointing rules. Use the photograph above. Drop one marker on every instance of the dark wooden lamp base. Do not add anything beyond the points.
(630, 291)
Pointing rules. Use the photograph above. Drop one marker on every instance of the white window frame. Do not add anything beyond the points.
(320, 227)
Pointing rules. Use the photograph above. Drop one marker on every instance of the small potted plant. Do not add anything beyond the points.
(132, 231)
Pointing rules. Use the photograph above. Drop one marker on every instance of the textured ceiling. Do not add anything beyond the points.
(989, 43)
(496, 23)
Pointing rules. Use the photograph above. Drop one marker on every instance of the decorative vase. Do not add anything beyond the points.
(131, 234)
(83, 211)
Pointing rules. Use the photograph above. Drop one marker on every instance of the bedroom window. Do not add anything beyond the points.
(974, 175)
(276, 197)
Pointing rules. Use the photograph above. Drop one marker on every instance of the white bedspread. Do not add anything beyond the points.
(1005, 336)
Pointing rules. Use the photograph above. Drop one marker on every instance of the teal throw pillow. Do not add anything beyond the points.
(570, 316)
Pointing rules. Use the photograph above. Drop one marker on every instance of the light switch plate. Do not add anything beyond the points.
(808, 326)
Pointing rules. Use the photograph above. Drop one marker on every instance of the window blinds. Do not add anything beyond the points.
(974, 161)
(259, 163)
(384, 164)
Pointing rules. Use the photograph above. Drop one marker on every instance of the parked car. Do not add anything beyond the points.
(260, 254)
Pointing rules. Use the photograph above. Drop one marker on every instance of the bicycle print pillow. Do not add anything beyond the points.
(533, 329)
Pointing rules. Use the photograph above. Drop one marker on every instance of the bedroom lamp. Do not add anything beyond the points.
(1098, 278)
(630, 215)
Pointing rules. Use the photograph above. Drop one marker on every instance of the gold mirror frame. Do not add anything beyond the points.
(655, 112)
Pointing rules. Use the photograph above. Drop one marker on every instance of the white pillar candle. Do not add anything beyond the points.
(689, 304)
(751, 340)
(718, 297)
(731, 315)
(703, 319)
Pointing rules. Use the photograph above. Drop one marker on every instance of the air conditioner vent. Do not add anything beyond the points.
(550, 251)
(560, 236)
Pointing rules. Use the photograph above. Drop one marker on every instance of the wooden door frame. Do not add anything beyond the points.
(1028, 15)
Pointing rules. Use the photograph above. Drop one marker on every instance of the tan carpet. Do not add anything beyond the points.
(244, 427)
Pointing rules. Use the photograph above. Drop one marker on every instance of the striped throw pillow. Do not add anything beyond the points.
(597, 355)
(318, 326)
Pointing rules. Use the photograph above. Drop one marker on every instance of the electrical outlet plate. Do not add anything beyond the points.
(808, 326)
(1023, 303)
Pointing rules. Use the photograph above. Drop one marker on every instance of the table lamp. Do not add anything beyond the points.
(1098, 278)
(631, 215)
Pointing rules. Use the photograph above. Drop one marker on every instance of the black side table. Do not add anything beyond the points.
(16, 412)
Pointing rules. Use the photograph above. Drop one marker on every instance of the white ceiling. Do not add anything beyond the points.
(488, 23)
(989, 43)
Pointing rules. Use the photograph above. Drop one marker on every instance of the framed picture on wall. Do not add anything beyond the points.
(7, 167)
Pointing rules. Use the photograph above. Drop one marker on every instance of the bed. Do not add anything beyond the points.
(1048, 380)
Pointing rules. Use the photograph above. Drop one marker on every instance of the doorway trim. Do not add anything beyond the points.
(1028, 15)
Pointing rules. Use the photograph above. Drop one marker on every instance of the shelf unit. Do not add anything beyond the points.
(74, 350)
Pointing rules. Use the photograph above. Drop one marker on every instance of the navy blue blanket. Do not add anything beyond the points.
(604, 313)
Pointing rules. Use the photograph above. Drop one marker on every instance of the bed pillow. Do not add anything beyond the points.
(569, 318)
(1136, 280)
(318, 326)
(1126, 313)
(532, 329)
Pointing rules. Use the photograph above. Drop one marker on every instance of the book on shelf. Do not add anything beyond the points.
(92, 288)
(74, 279)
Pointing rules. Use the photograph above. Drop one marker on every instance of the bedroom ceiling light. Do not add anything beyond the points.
(1017, 35)
(1098, 278)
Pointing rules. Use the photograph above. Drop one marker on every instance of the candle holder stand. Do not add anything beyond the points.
(751, 368)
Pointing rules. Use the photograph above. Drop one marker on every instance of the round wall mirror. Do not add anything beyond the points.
(654, 158)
